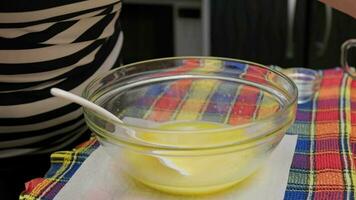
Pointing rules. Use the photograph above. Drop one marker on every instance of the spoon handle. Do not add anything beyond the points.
(83, 102)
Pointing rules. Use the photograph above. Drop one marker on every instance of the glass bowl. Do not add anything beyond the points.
(191, 125)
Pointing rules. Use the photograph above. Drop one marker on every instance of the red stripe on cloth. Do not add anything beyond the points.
(246, 101)
(353, 120)
(32, 184)
(257, 70)
(328, 163)
(256, 74)
(324, 195)
(168, 103)
(327, 116)
(244, 106)
(330, 87)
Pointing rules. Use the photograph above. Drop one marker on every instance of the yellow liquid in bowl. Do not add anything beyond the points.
(183, 173)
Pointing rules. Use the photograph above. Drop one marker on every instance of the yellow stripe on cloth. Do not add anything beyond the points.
(200, 91)
(197, 99)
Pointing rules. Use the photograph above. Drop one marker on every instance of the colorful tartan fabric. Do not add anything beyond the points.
(323, 166)
(324, 161)
(63, 165)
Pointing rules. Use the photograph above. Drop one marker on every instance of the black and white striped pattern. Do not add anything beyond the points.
(45, 44)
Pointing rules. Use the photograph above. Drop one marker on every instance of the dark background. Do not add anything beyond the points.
(254, 30)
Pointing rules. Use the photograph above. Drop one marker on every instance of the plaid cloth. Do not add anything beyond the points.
(323, 165)
(63, 165)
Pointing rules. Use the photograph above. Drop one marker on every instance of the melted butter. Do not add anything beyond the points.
(185, 174)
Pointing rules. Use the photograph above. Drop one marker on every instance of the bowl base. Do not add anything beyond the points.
(190, 190)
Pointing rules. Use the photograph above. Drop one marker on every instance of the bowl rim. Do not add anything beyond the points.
(293, 97)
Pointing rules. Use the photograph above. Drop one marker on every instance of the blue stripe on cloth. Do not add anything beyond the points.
(296, 195)
(220, 103)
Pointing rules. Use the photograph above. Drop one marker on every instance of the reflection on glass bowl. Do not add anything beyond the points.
(191, 125)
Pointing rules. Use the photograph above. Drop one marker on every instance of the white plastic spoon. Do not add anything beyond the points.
(83, 102)
(170, 163)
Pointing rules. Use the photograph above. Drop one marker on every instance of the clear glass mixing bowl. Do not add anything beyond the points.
(191, 125)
